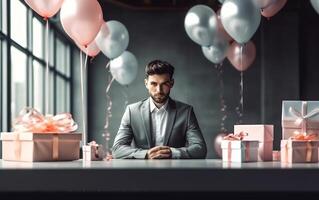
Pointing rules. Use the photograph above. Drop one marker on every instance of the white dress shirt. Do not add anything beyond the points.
(159, 123)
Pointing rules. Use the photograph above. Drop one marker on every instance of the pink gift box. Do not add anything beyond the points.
(299, 117)
(31, 147)
(299, 151)
(93, 153)
(239, 151)
(263, 133)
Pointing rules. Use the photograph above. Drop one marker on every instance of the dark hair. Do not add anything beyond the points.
(159, 67)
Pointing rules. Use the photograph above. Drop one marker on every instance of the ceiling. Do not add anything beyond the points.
(160, 4)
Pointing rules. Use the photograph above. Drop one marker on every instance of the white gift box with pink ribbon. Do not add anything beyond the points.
(235, 149)
(299, 117)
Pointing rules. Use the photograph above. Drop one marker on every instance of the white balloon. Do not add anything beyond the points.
(240, 19)
(315, 5)
(201, 24)
(263, 3)
(217, 52)
(112, 39)
(124, 68)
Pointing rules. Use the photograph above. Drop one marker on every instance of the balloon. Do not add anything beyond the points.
(201, 24)
(218, 143)
(315, 5)
(221, 28)
(273, 8)
(263, 3)
(91, 50)
(218, 51)
(124, 68)
(240, 19)
(221, 1)
(81, 20)
(45, 8)
(241, 61)
(112, 39)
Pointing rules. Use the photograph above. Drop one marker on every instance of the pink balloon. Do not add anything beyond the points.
(91, 50)
(217, 144)
(273, 8)
(81, 20)
(45, 8)
(221, 28)
(241, 60)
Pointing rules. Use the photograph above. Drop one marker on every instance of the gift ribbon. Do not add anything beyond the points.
(302, 116)
(237, 137)
(30, 120)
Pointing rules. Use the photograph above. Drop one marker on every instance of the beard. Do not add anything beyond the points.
(160, 98)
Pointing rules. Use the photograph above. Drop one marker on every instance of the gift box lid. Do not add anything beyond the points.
(260, 132)
(36, 136)
(240, 144)
(299, 143)
(291, 110)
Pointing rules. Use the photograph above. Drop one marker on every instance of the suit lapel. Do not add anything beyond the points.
(146, 118)
(170, 121)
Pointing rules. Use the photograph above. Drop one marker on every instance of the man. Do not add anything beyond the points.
(159, 127)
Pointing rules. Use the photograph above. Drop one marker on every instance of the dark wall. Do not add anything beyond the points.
(285, 68)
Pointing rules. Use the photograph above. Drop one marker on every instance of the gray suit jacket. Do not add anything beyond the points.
(134, 137)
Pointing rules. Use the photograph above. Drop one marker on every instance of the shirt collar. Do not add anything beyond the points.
(153, 106)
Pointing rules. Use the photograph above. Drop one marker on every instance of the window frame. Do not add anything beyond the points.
(5, 60)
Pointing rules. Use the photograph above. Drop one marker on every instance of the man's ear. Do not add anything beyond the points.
(145, 82)
(172, 83)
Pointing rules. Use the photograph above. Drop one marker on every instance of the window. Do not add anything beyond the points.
(23, 63)
(18, 22)
(18, 81)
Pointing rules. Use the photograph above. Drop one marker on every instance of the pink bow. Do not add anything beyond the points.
(237, 136)
(31, 120)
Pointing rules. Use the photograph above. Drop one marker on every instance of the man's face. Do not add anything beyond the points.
(159, 87)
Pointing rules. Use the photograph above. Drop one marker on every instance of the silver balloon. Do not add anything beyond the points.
(263, 3)
(217, 52)
(201, 24)
(315, 5)
(221, 1)
(124, 68)
(112, 39)
(240, 19)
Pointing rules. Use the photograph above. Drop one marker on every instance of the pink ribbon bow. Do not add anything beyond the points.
(237, 136)
(31, 120)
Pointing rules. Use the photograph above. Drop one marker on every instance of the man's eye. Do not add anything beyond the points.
(153, 84)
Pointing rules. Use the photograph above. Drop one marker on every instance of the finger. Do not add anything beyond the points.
(154, 149)
(164, 151)
(161, 156)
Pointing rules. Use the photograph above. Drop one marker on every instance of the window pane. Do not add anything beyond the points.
(18, 81)
(68, 97)
(60, 56)
(51, 45)
(38, 83)
(18, 22)
(51, 93)
(3, 16)
(61, 95)
(37, 40)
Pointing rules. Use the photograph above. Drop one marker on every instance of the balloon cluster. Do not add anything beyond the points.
(82, 20)
(227, 33)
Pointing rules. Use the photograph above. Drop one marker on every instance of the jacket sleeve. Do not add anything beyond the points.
(122, 143)
(195, 144)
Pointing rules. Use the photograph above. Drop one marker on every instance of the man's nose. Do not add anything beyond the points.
(158, 88)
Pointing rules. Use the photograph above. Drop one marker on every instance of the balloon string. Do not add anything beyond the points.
(84, 137)
(223, 106)
(47, 68)
(108, 102)
(124, 92)
(241, 112)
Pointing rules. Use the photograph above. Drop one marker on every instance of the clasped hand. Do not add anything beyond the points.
(159, 152)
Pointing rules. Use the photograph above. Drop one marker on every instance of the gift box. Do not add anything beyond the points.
(93, 152)
(299, 117)
(31, 147)
(263, 133)
(295, 151)
(234, 149)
